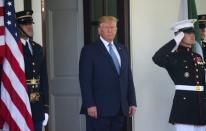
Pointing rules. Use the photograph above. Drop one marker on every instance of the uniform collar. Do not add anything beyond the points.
(24, 41)
(188, 49)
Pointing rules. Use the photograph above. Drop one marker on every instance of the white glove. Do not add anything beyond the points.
(46, 115)
(178, 38)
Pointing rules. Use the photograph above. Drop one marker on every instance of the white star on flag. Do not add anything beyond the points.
(8, 13)
(8, 22)
(9, 3)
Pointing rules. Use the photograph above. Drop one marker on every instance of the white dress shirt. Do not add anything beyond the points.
(29, 44)
(106, 44)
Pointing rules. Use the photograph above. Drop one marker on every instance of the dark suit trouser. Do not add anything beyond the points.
(105, 123)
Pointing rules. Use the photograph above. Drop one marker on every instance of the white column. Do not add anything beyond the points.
(36, 7)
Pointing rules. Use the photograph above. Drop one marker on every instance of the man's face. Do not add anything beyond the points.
(202, 33)
(189, 39)
(28, 29)
(108, 30)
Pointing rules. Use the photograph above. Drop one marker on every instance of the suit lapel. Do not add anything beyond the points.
(106, 54)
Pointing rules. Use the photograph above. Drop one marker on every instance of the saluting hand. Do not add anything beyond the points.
(92, 112)
(178, 38)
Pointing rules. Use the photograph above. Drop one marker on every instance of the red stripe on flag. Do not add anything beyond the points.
(2, 30)
(17, 100)
(1, 122)
(7, 117)
(2, 52)
(15, 67)
(1, 11)
(20, 45)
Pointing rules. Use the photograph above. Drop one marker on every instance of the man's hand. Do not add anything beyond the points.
(178, 38)
(132, 110)
(92, 112)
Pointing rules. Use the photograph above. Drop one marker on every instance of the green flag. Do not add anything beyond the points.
(192, 14)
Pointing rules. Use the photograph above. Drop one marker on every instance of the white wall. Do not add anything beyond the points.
(150, 29)
(36, 6)
(201, 6)
(19, 5)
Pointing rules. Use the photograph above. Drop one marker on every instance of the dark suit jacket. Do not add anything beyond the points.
(101, 85)
(37, 63)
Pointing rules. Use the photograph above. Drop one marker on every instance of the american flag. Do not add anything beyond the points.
(15, 110)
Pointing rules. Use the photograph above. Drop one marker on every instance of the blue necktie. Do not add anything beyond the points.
(114, 58)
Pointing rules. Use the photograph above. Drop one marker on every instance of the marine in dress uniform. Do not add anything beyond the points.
(186, 69)
(202, 22)
(35, 69)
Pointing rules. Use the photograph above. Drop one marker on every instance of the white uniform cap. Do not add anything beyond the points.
(183, 24)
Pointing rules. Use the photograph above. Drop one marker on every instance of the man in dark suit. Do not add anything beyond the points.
(35, 69)
(106, 82)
